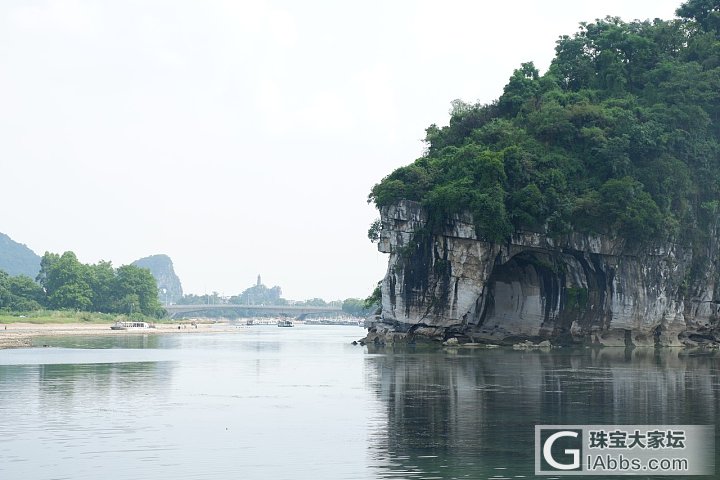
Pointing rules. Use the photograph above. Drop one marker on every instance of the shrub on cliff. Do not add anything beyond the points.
(621, 136)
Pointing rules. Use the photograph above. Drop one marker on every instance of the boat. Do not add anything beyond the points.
(285, 323)
(130, 326)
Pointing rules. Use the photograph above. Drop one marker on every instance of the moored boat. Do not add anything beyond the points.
(285, 323)
(130, 326)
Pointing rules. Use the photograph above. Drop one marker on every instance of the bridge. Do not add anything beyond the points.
(249, 310)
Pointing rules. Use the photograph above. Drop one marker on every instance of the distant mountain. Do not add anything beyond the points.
(169, 286)
(17, 259)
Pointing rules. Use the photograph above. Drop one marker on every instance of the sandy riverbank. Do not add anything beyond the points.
(17, 335)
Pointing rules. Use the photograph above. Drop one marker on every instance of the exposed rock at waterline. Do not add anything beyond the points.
(576, 289)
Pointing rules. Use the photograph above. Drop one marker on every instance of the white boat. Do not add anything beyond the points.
(130, 326)
(285, 323)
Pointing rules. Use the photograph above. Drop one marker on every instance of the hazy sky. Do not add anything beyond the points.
(242, 137)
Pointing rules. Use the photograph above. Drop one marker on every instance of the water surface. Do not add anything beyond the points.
(302, 403)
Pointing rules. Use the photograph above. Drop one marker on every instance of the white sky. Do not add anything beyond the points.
(242, 137)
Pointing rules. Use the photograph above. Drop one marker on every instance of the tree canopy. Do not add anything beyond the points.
(70, 284)
(20, 293)
(64, 283)
(620, 136)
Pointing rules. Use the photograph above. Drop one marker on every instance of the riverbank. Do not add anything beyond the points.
(21, 334)
(68, 316)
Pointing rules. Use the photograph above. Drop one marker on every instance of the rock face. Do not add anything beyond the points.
(161, 267)
(17, 259)
(576, 289)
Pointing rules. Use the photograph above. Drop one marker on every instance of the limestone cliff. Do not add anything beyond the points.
(574, 289)
(17, 259)
(161, 267)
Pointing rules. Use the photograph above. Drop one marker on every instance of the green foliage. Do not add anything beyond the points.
(374, 301)
(522, 88)
(356, 307)
(374, 231)
(705, 12)
(135, 287)
(635, 213)
(19, 294)
(64, 283)
(620, 136)
(69, 284)
(102, 282)
(576, 298)
(74, 296)
(526, 205)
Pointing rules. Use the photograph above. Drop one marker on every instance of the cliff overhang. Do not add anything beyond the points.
(447, 282)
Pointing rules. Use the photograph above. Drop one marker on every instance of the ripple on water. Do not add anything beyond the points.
(266, 405)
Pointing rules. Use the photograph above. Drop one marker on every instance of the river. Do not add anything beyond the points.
(303, 403)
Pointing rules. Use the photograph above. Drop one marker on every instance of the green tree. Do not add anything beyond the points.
(72, 295)
(137, 284)
(374, 231)
(65, 281)
(47, 262)
(69, 284)
(25, 287)
(355, 306)
(620, 136)
(522, 87)
(705, 12)
(19, 293)
(374, 300)
(102, 282)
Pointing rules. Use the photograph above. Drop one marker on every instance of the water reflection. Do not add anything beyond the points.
(258, 403)
(61, 381)
(57, 412)
(305, 404)
(472, 412)
(102, 341)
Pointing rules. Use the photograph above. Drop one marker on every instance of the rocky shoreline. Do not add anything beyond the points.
(382, 334)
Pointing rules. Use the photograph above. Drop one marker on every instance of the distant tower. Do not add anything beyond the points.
(259, 282)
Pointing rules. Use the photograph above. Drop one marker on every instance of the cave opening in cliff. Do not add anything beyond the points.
(523, 295)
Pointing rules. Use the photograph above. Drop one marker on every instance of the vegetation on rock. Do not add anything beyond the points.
(620, 136)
